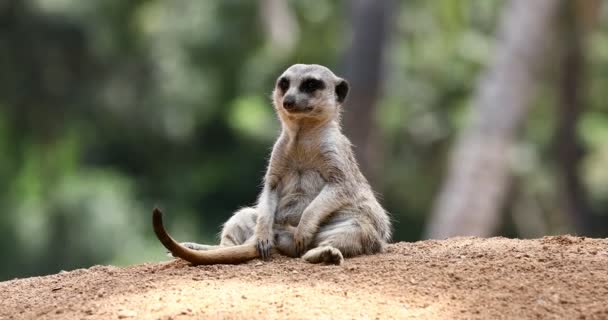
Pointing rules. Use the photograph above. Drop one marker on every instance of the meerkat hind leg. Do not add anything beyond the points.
(237, 230)
(338, 238)
(195, 246)
(199, 246)
(240, 228)
(324, 254)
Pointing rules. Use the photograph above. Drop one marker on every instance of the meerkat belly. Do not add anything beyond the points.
(296, 190)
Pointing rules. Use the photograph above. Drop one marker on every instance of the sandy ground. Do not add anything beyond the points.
(561, 277)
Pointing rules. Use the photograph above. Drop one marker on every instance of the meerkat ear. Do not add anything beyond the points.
(342, 90)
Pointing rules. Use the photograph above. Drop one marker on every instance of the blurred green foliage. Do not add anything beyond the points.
(110, 107)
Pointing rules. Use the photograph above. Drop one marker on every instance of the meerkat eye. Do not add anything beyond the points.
(283, 84)
(311, 85)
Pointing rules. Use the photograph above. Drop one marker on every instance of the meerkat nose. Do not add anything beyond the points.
(289, 102)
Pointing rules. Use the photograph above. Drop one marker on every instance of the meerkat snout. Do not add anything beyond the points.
(289, 102)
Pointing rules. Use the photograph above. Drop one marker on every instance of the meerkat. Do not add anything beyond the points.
(315, 202)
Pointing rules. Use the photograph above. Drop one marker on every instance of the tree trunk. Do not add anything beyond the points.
(571, 106)
(364, 63)
(280, 24)
(478, 176)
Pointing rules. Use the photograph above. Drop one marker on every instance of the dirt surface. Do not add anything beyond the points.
(462, 278)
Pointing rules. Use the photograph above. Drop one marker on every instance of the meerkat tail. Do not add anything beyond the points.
(225, 255)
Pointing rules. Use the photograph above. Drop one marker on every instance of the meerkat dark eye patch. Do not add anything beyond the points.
(341, 90)
(283, 84)
(311, 85)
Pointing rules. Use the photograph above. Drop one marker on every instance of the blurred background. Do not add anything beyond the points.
(469, 117)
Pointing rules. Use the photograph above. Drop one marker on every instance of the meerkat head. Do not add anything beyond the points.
(309, 91)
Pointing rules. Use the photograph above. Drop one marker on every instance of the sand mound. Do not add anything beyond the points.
(554, 277)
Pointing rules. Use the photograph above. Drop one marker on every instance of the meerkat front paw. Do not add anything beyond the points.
(264, 247)
(302, 238)
(264, 244)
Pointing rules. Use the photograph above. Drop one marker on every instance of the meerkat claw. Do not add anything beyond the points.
(264, 248)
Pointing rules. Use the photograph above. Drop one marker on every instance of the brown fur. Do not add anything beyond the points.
(225, 255)
(315, 202)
